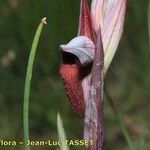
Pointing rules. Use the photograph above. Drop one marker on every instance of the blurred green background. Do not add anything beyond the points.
(128, 79)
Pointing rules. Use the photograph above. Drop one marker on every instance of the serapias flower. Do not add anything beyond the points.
(106, 18)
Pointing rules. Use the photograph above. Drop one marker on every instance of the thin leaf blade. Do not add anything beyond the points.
(61, 134)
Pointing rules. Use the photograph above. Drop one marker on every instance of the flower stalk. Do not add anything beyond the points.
(28, 83)
(94, 113)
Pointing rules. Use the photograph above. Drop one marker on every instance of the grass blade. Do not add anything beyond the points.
(28, 83)
(61, 133)
(149, 20)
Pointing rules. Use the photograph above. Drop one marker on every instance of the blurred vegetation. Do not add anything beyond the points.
(128, 79)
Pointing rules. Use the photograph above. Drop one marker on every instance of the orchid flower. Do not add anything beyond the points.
(106, 21)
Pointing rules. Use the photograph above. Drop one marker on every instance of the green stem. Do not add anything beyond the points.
(149, 21)
(120, 121)
(28, 83)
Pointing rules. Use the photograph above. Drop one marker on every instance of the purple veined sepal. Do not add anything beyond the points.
(85, 22)
(109, 15)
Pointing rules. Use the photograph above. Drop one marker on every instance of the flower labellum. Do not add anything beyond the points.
(77, 55)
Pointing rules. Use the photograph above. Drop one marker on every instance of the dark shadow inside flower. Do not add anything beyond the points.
(85, 70)
(68, 58)
(71, 59)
